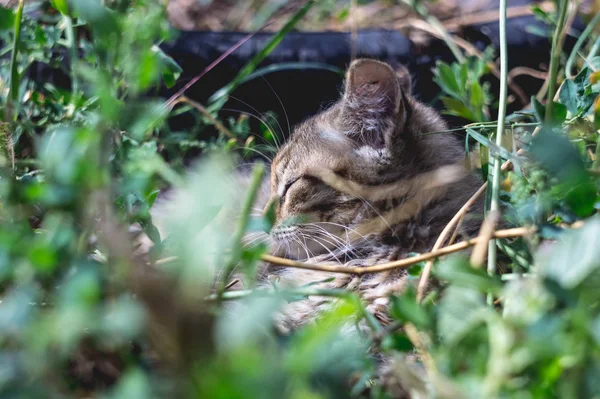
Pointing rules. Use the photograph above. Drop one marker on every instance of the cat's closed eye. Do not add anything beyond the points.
(287, 186)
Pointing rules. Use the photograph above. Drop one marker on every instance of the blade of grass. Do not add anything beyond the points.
(555, 58)
(258, 58)
(494, 148)
(495, 194)
(72, 45)
(287, 66)
(255, 182)
(213, 64)
(588, 30)
(15, 79)
(594, 49)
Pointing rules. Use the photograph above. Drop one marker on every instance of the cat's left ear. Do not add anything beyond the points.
(373, 104)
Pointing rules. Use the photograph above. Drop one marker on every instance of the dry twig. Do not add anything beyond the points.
(398, 264)
(485, 234)
(207, 115)
(442, 238)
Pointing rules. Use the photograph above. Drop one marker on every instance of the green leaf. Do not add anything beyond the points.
(446, 79)
(568, 96)
(457, 271)
(484, 141)
(405, 308)
(102, 20)
(559, 112)
(7, 18)
(171, 69)
(538, 109)
(43, 257)
(574, 257)
(581, 80)
(464, 75)
(477, 96)
(456, 107)
(396, 342)
(61, 6)
(15, 77)
(558, 156)
(460, 311)
(135, 384)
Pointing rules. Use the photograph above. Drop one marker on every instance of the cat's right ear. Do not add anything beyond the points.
(404, 78)
(372, 104)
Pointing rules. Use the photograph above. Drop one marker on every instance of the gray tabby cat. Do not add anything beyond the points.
(360, 184)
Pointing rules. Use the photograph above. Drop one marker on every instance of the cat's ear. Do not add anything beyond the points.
(373, 104)
(404, 78)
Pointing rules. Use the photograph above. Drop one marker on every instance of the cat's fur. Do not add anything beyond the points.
(360, 184)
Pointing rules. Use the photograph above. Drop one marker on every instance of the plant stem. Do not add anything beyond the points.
(255, 182)
(555, 59)
(15, 81)
(594, 49)
(579, 43)
(495, 198)
(72, 44)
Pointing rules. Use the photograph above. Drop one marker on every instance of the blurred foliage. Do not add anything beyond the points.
(85, 313)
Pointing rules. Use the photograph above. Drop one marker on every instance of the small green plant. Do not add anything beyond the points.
(465, 94)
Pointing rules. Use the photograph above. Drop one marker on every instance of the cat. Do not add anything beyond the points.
(365, 182)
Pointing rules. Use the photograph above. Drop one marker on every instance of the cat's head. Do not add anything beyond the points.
(364, 139)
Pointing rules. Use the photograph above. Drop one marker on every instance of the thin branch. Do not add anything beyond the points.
(521, 70)
(454, 24)
(398, 264)
(442, 239)
(171, 101)
(207, 115)
(485, 234)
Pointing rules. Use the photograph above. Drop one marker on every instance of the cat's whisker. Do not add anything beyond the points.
(267, 142)
(257, 240)
(323, 232)
(338, 243)
(303, 236)
(364, 201)
(280, 103)
(335, 247)
(302, 246)
(342, 226)
(260, 117)
(344, 245)
(327, 250)
(262, 154)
